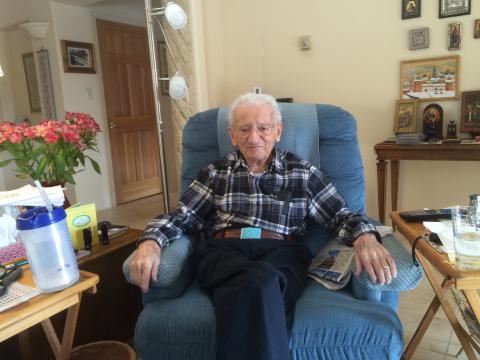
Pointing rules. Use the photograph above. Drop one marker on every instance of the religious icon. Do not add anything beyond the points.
(433, 122)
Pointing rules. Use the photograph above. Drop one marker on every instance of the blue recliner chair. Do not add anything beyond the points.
(177, 321)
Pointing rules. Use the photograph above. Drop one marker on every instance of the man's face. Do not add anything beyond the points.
(255, 133)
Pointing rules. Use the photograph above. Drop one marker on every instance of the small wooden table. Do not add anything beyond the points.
(40, 308)
(390, 151)
(466, 281)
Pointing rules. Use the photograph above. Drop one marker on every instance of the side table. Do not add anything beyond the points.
(40, 308)
(393, 153)
(432, 261)
(109, 315)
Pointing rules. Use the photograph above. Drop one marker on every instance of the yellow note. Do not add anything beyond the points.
(79, 218)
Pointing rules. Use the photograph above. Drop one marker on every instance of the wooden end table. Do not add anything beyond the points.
(432, 261)
(390, 152)
(40, 308)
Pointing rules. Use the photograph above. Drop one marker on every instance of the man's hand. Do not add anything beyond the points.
(144, 265)
(372, 257)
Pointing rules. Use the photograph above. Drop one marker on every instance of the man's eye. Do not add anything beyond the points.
(245, 130)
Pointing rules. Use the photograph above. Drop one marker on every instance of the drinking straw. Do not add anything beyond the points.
(44, 195)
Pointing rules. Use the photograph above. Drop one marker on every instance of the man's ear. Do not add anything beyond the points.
(278, 131)
(232, 136)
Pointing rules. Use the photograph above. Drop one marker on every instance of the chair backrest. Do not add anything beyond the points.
(335, 137)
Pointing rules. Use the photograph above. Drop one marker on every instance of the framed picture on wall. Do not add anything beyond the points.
(78, 57)
(46, 85)
(32, 83)
(476, 29)
(418, 39)
(163, 66)
(411, 9)
(454, 36)
(448, 8)
(405, 117)
(470, 121)
(432, 78)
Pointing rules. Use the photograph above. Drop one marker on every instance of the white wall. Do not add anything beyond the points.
(83, 93)
(73, 92)
(357, 49)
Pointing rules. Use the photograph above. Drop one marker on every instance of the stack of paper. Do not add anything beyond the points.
(30, 196)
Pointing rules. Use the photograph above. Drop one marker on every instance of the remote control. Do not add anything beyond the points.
(426, 215)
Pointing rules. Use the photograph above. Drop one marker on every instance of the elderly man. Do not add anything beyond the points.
(258, 200)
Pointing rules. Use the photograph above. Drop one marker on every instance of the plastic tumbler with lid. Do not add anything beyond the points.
(48, 246)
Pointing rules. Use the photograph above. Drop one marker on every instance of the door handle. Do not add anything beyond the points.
(113, 125)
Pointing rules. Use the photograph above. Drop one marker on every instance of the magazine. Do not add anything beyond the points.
(331, 266)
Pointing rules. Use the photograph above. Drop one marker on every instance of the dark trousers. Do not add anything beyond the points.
(254, 285)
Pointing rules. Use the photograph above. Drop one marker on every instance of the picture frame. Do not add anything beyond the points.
(454, 36)
(418, 39)
(78, 57)
(46, 85)
(431, 78)
(449, 8)
(405, 121)
(470, 120)
(476, 29)
(411, 9)
(432, 122)
(30, 71)
(163, 66)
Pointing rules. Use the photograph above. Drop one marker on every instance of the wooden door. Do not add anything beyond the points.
(132, 127)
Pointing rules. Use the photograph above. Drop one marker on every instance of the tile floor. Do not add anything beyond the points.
(439, 342)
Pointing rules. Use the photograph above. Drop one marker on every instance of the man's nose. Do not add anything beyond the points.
(254, 134)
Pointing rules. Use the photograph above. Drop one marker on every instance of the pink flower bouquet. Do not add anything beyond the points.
(51, 151)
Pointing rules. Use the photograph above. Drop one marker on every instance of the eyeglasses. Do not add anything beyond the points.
(262, 129)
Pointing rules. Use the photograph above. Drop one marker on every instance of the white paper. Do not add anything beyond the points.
(444, 230)
(384, 230)
(29, 196)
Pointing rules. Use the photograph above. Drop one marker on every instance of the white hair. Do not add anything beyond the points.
(256, 99)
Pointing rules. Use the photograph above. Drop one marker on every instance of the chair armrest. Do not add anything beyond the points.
(173, 259)
(408, 275)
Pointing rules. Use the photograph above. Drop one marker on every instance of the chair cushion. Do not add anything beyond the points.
(328, 325)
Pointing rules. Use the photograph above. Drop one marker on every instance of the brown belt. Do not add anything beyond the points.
(235, 233)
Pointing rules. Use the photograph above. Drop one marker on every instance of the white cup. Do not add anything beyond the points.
(466, 233)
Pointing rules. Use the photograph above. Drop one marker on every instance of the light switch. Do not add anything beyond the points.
(305, 43)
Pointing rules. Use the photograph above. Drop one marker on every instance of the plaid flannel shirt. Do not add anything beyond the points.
(227, 194)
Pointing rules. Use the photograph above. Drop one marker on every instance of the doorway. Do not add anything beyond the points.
(130, 108)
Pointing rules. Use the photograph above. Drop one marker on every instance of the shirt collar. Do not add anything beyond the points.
(276, 165)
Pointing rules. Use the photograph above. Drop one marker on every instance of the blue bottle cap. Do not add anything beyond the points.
(39, 217)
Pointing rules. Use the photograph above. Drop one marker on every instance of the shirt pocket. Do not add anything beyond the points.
(297, 212)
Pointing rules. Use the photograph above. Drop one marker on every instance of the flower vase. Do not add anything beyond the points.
(66, 203)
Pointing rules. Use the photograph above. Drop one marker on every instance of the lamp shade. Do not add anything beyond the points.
(178, 87)
(176, 17)
(38, 30)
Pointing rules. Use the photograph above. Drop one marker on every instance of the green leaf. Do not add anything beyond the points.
(69, 178)
(40, 169)
(95, 165)
(5, 162)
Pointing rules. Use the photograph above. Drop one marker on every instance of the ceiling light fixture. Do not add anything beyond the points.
(38, 30)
